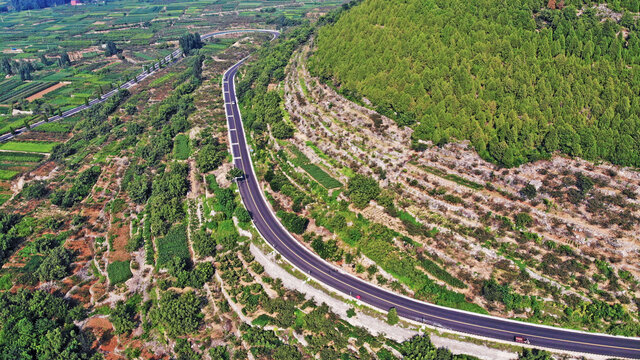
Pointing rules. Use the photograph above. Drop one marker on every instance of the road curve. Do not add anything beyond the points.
(467, 322)
(169, 59)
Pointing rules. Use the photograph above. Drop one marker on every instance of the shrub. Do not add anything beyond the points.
(35, 190)
(210, 157)
(179, 314)
(56, 264)
(362, 189)
(294, 223)
(529, 191)
(392, 316)
(281, 130)
(523, 220)
(242, 214)
(327, 250)
(122, 317)
(203, 243)
(351, 313)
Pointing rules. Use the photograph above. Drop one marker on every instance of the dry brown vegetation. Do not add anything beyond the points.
(475, 204)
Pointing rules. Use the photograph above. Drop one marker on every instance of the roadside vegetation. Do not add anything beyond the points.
(442, 224)
(127, 217)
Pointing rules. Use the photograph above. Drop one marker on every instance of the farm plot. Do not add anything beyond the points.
(29, 146)
(14, 163)
(7, 174)
(181, 148)
(119, 272)
(54, 127)
(7, 124)
(19, 158)
(51, 88)
(321, 176)
(23, 91)
(173, 245)
(9, 84)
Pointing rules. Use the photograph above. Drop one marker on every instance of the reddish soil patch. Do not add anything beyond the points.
(99, 290)
(36, 135)
(105, 341)
(121, 232)
(82, 248)
(67, 284)
(42, 93)
(82, 294)
(45, 169)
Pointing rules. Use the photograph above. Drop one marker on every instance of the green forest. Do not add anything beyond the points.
(520, 80)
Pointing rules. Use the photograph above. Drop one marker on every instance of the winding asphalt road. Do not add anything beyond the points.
(271, 229)
(169, 59)
(309, 263)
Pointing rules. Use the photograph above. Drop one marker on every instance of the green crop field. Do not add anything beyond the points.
(10, 84)
(17, 157)
(181, 147)
(173, 245)
(24, 90)
(29, 146)
(321, 176)
(54, 127)
(119, 272)
(7, 174)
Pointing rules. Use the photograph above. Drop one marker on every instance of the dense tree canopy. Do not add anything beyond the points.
(81, 187)
(166, 198)
(179, 314)
(519, 80)
(56, 265)
(189, 42)
(421, 348)
(362, 189)
(11, 233)
(211, 156)
(19, 5)
(110, 48)
(35, 190)
(38, 325)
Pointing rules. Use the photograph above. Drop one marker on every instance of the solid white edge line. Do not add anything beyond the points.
(393, 293)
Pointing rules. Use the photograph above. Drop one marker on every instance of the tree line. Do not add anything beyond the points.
(19, 5)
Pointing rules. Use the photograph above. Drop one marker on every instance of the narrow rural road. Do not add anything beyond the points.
(492, 327)
(169, 59)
